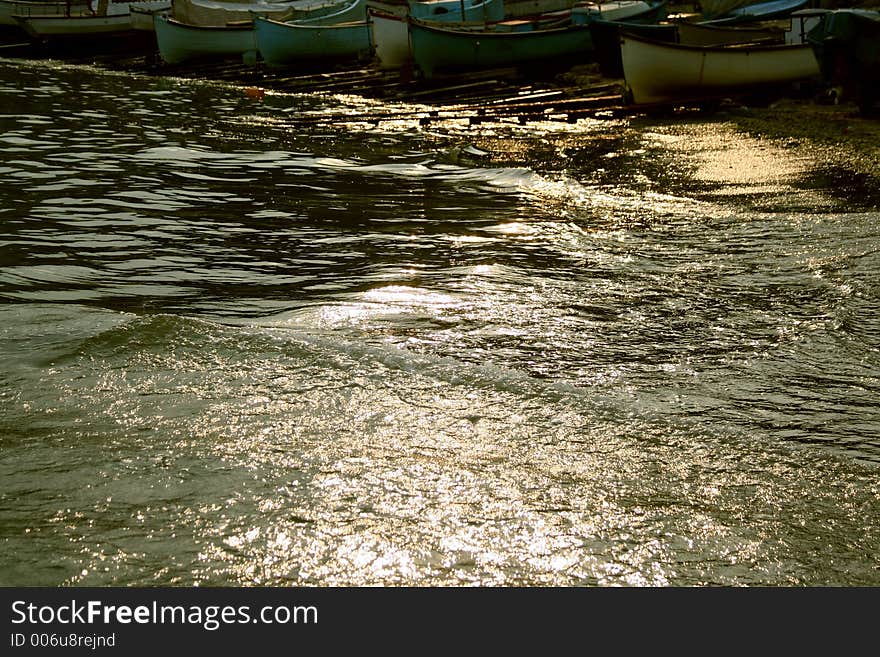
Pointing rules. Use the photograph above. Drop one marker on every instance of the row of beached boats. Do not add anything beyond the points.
(732, 48)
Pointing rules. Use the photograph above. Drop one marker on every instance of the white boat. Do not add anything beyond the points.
(11, 8)
(101, 18)
(216, 13)
(179, 42)
(666, 73)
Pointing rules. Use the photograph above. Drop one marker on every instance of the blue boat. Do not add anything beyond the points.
(762, 11)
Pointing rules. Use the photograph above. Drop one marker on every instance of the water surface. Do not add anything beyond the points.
(240, 347)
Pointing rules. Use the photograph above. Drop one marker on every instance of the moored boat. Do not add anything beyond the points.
(204, 29)
(281, 44)
(142, 17)
(179, 42)
(389, 32)
(510, 43)
(606, 38)
(761, 11)
(847, 46)
(438, 48)
(657, 72)
(11, 8)
(342, 34)
(104, 18)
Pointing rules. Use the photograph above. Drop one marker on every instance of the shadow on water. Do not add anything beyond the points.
(858, 190)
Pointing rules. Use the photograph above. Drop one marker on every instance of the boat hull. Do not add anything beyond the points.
(282, 44)
(668, 73)
(390, 37)
(762, 11)
(438, 49)
(11, 8)
(847, 47)
(105, 18)
(179, 42)
(390, 34)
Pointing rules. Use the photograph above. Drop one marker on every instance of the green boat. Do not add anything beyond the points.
(515, 43)
(340, 35)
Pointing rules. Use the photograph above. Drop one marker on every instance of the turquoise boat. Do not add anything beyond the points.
(200, 29)
(846, 43)
(344, 34)
(460, 47)
(389, 31)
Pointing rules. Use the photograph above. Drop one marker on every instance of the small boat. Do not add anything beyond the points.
(223, 12)
(389, 32)
(281, 44)
(631, 11)
(606, 41)
(606, 38)
(142, 17)
(179, 42)
(762, 11)
(105, 18)
(342, 34)
(558, 37)
(11, 8)
(436, 48)
(669, 73)
(714, 8)
(203, 29)
(695, 34)
(847, 46)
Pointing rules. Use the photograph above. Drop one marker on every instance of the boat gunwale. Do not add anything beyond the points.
(738, 48)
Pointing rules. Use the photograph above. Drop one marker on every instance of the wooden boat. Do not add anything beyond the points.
(224, 12)
(508, 43)
(606, 38)
(389, 32)
(142, 17)
(631, 11)
(714, 8)
(11, 8)
(106, 18)
(343, 34)
(846, 43)
(179, 42)
(281, 44)
(762, 11)
(656, 72)
(202, 29)
(437, 48)
(695, 34)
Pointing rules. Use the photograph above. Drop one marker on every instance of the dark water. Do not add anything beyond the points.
(239, 347)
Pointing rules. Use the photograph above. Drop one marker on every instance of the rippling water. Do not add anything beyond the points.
(239, 347)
